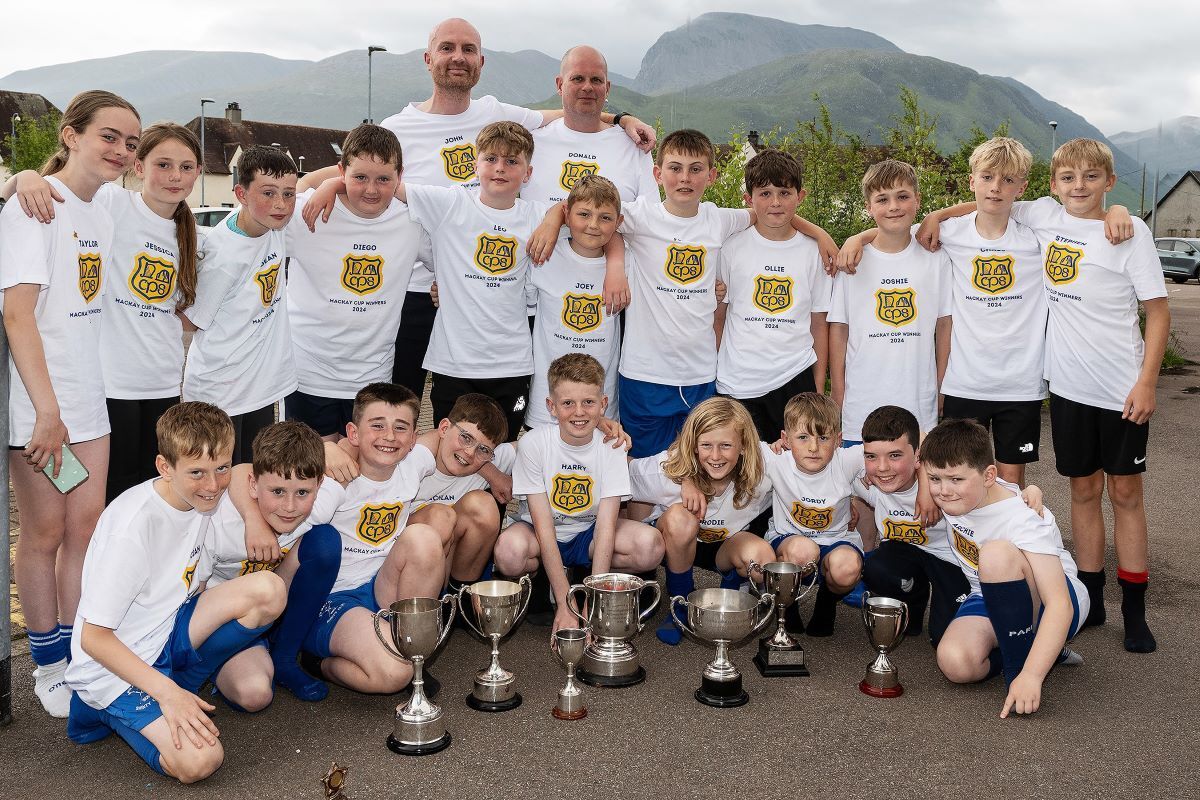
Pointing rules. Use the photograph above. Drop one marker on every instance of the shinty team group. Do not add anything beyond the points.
(245, 554)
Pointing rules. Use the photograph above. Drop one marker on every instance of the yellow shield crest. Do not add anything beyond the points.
(574, 170)
(268, 282)
(496, 255)
(685, 263)
(992, 274)
(773, 294)
(895, 307)
(377, 522)
(362, 274)
(711, 535)
(459, 162)
(152, 279)
(1062, 263)
(812, 517)
(582, 312)
(571, 492)
(189, 573)
(967, 549)
(904, 531)
(90, 267)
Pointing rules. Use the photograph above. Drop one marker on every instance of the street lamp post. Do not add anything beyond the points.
(301, 165)
(1053, 137)
(13, 124)
(203, 102)
(372, 50)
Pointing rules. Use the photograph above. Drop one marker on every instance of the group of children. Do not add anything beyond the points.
(253, 553)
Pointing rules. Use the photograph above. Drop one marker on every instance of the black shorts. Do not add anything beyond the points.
(134, 442)
(706, 553)
(412, 340)
(767, 410)
(1087, 439)
(245, 428)
(1016, 425)
(909, 573)
(325, 415)
(511, 393)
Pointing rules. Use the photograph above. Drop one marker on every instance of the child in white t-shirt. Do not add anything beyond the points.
(241, 357)
(52, 277)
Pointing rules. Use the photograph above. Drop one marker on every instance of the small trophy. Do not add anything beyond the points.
(334, 781)
(614, 617)
(781, 655)
(418, 629)
(723, 617)
(497, 608)
(569, 644)
(886, 620)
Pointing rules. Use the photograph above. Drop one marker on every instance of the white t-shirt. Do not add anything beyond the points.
(774, 288)
(998, 344)
(241, 358)
(648, 483)
(562, 156)
(439, 149)
(141, 341)
(896, 519)
(574, 479)
(892, 305)
(671, 262)
(1094, 348)
(1015, 522)
(816, 506)
(145, 560)
(481, 329)
(67, 259)
(346, 287)
(439, 487)
(571, 319)
(370, 514)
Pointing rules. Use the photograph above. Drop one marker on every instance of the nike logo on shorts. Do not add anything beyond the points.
(1139, 461)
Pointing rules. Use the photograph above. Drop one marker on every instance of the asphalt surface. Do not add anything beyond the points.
(1120, 725)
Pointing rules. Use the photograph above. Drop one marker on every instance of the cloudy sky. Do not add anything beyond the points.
(1122, 65)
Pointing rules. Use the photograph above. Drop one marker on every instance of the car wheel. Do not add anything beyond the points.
(1179, 278)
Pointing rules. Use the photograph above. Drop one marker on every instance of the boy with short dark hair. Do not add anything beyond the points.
(241, 357)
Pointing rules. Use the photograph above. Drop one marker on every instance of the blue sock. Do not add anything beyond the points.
(730, 580)
(487, 571)
(64, 633)
(47, 648)
(680, 583)
(1010, 610)
(223, 644)
(320, 556)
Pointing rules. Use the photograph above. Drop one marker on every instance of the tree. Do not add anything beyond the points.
(36, 141)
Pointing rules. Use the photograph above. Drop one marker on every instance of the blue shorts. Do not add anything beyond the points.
(653, 413)
(851, 442)
(974, 606)
(575, 552)
(335, 607)
(823, 550)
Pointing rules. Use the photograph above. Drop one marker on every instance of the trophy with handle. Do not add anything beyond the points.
(885, 619)
(722, 617)
(614, 616)
(781, 655)
(569, 644)
(497, 607)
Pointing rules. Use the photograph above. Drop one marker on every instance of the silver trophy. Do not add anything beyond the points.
(781, 655)
(724, 617)
(885, 619)
(497, 607)
(569, 644)
(418, 627)
(615, 616)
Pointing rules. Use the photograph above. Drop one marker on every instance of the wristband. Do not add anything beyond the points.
(618, 115)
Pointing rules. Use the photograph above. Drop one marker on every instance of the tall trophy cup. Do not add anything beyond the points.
(497, 607)
(614, 616)
(569, 644)
(781, 655)
(418, 627)
(885, 619)
(723, 617)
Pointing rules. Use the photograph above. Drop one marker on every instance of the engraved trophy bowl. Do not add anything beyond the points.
(724, 617)
(614, 614)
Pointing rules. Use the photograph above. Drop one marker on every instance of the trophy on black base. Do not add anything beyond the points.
(614, 616)
(497, 607)
(781, 655)
(723, 617)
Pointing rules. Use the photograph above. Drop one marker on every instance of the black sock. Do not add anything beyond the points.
(1138, 638)
(1094, 582)
(917, 602)
(792, 622)
(824, 612)
(1010, 610)
(995, 664)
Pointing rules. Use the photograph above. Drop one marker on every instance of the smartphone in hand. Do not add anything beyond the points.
(72, 474)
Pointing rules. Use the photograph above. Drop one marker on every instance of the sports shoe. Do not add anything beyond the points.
(50, 686)
(1069, 658)
(668, 632)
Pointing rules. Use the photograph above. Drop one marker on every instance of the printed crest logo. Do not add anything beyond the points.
(773, 295)
(711, 535)
(572, 492)
(250, 567)
(89, 275)
(496, 255)
(811, 517)
(904, 531)
(377, 522)
(362, 274)
(459, 162)
(685, 263)
(189, 573)
(1062, 262)
(152, 279)
(582, 312)
(574, 170)
(967, 549)
(896, 307)
(992, 274)
(268, 281)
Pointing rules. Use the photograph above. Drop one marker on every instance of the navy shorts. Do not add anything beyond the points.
(974, 606)
(335, 607)
(575, 553)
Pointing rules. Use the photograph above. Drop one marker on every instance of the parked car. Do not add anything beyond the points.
(208, 217)
(1180, 258)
